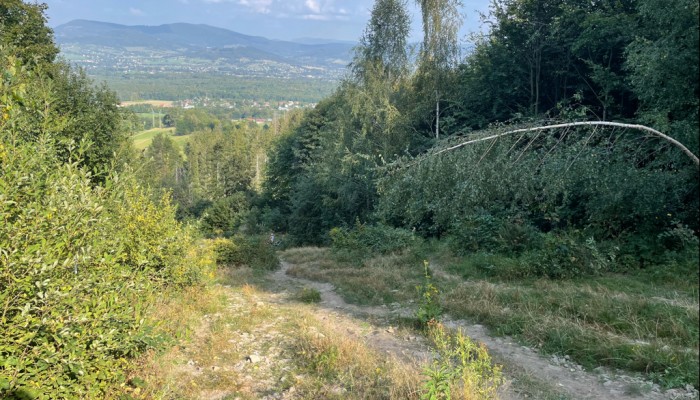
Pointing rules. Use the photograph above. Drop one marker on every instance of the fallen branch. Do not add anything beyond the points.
(654, 132)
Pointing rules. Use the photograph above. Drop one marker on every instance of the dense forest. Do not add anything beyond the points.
(435, 147)
(366, 154)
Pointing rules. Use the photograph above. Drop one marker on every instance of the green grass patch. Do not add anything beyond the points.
(309, 295)
(375, 281)
(143, 139)
(622, 321)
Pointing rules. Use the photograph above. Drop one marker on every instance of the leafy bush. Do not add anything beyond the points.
(79, 266)
(371, 239)
(255, 252)
(224, 216)
(565, 255)
(475, 232)
(483, 232)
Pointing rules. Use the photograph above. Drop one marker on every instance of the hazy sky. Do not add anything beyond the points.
(277, 19)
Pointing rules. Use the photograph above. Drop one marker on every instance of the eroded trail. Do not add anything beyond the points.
(561, 377)
(262, 342)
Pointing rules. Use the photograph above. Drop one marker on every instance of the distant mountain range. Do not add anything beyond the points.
(107, 48)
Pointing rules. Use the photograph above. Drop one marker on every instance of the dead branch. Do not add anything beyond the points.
(654, 132)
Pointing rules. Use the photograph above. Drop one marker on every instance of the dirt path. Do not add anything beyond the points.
(563, 378)
(252, 347)
(399, 343)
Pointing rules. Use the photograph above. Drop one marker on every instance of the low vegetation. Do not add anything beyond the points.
(642, 322)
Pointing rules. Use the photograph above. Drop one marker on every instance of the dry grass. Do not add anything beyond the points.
(301, 354)
(345, 368)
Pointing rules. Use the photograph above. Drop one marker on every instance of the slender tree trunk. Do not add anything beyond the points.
(437, 115)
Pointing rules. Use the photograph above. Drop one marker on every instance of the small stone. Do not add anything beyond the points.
(572, 370)
(190, 362)
(215, 368)
(390, 329)
(253, 358)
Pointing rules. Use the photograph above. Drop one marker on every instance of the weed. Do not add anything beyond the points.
(309, 295)
(429, 308)
(462, 369)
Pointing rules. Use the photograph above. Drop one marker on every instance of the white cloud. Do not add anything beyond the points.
(316, 17)
(259, 6)
(314, 10)
(136, 12)
(314, 6)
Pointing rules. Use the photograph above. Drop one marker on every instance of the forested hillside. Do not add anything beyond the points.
(366, 153)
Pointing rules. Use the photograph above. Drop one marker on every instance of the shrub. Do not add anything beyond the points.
(483, 232)
(224, 216)
(255, 252)
(566, 255)
(79, 266)
(473, 233)
(371, 239)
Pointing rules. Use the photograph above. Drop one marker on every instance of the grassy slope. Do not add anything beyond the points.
(144, 138)
(645, 322)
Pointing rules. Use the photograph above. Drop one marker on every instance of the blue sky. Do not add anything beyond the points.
(276, 19)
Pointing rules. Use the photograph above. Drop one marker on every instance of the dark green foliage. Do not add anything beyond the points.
(23, 27)
(309, 295)
(195, 120)
(522, 187)
(663, 62)
(255, 252)
(224, 216)
(370, 240)
(483, 232)
(168, 121)
(163, 164)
